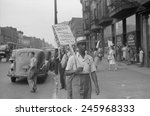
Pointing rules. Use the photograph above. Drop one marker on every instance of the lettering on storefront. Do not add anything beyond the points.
(119, 41)
(131, 39)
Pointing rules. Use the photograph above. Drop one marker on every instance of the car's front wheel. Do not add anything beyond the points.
(13, 79)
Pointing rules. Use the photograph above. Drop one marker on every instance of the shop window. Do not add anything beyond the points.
(108, 32)
(149, 24)
(149, 33)
(119, 28)
(95, 13)
(131, 23)
(86, 3)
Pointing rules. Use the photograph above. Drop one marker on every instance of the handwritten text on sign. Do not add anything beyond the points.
(64, 34)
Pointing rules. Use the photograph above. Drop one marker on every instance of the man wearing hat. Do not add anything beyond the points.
(81, 66)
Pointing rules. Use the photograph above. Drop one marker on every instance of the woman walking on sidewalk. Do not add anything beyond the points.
(111, 59)
(141, 55)
(97, 57)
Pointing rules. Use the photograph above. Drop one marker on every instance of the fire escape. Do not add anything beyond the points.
(122, 8)
(104, 18)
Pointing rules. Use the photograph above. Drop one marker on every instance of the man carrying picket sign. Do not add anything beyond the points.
(68, 79)
(81, 67)
(63, 63)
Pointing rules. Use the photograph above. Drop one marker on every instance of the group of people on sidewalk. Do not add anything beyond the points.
(77, 69)
(129, 54)
(126, 54)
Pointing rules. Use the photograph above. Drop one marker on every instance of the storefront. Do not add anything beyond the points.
(131, 39)
(146, 37)
(119, 33)
(119, 40)
(131, 31)
(108, 35)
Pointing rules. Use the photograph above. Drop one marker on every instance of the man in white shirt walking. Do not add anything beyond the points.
(32, 77)
(81, 68)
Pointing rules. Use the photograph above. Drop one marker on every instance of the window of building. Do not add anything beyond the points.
(119, 28)
(149, 30)
(131, 23)
(108, 32)
(109, 2)
(97, 10)
(149, 23)
(85, 15)
(86, 3)
(95, 13)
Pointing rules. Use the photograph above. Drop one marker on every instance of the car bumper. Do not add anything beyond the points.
(24, 76)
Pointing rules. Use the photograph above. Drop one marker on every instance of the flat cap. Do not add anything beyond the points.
(81, 39)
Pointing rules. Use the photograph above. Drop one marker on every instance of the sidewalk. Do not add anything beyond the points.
(109, 77)
(133, 67)
(136, 68)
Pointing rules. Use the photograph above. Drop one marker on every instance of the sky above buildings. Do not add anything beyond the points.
(36, 17)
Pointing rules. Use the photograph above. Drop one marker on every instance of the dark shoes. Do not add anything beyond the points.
(63, 88)
(33, 90)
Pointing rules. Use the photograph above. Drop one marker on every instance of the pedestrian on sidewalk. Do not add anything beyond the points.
(81, 68)
(63, 63)
(32, 77)
(119, 53)
(124, 50)
(97, 57)
(68, 77)
(111, 59)
(56, 61)
(128, 60)
(141, 56)
(132, 55)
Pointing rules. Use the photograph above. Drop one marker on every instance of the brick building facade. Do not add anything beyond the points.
(10, 35)
(121, 21)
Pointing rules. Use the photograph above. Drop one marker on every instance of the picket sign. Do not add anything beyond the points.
(63, 36)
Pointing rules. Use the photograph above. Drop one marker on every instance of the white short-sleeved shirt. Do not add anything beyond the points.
(33, 62)
(87, 63)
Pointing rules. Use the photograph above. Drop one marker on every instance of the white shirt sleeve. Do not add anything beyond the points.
(33, 62)
(70, 63)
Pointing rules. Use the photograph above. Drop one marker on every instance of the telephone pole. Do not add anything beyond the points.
(56, 64)
(55, 11)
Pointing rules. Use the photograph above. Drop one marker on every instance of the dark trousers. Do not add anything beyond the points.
(56, 66)
(69, 86)
(32, 79)
(81, 87)
(62, 77)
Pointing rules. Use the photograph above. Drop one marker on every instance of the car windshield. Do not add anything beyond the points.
(3, 47)
(24, 54)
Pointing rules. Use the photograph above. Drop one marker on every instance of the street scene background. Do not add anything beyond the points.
(121, 24)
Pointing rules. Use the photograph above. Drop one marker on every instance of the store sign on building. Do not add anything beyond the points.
(79, 31)
(119, 40)
(131, 39)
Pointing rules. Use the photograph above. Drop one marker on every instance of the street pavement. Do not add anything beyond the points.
(128, 82)
(21, 90)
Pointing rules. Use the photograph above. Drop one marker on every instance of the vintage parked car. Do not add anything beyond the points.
(20, 61)
(5, 52)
